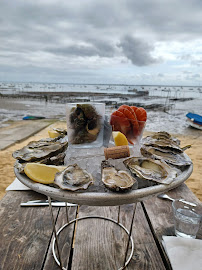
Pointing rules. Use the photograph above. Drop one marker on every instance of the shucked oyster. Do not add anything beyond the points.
(176, 159)
(116, 180)
(73, 178)
(149, 169)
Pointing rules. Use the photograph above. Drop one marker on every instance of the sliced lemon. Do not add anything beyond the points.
(119, 138)
(42, 173)
(53, 133)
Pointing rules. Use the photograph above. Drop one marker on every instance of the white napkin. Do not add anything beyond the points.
(183, 253)
(17, 185)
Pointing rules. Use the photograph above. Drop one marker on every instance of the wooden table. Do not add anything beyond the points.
(26, 234)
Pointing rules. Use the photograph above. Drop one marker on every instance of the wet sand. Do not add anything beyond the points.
(195, 153)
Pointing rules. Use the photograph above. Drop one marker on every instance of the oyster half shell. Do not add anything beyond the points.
(37, 150)
(73, 178)
(116, 180)
(163, 135)
(175, 159)
(149, 169)
(164, 143)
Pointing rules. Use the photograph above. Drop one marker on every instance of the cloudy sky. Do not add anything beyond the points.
(101, 41)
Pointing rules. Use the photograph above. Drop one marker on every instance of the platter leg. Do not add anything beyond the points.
(119, 209)
(129, 235)
(55, 234)
(92, 217)
(67, 216)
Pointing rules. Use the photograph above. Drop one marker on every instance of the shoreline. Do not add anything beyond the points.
(97, 97)
(195, 140)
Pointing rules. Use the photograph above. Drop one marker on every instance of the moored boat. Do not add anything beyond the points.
(33, 117)
(194, 120)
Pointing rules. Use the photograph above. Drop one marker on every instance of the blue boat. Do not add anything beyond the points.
(194, 120)
(32, 117)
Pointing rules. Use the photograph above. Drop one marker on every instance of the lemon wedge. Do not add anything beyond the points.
(53, 133)
(119, 138)
(42, 173)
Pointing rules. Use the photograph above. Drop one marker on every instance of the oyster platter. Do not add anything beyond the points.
(74, 166)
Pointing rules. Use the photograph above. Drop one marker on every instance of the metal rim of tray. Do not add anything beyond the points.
(102, 198)
(96, 217)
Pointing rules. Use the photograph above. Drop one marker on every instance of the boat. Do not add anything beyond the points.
(194, 120)
(33, 117)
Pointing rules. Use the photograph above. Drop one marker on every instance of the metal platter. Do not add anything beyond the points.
(98, 196)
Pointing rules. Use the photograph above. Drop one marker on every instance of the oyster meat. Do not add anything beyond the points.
(175, 159)
(73, 178)
(150, 169)
(116, 180)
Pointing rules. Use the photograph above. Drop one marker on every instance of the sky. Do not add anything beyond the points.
(147, 42)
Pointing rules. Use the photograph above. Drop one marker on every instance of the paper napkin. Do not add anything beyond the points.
(17, 185)
(183, 253)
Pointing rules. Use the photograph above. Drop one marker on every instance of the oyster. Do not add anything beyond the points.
(84, 124)
(38, 150)
(73, 178)
(116, 180)
(149, 169)
(175, 159)
(53, 160)
(165, 143)
(163, 135)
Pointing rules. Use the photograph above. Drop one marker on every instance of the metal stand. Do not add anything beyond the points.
(56, 234)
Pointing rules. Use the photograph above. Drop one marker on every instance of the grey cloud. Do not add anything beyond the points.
(95, 48)
(187, 72)
(138, 51)
(197, 62)
(193, 76)
(196, 75)
(47, 74)
(173, 19)
(185, 57)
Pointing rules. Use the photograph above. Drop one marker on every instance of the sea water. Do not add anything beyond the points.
(187, 223)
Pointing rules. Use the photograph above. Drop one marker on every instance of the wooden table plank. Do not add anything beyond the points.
(24, 232)
(146, 254)
(101, 244)
(95, 240)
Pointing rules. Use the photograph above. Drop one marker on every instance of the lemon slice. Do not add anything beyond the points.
(119, 138)
(53, 133)
(42, 173)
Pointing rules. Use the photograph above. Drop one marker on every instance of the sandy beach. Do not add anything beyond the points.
(195, 140)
